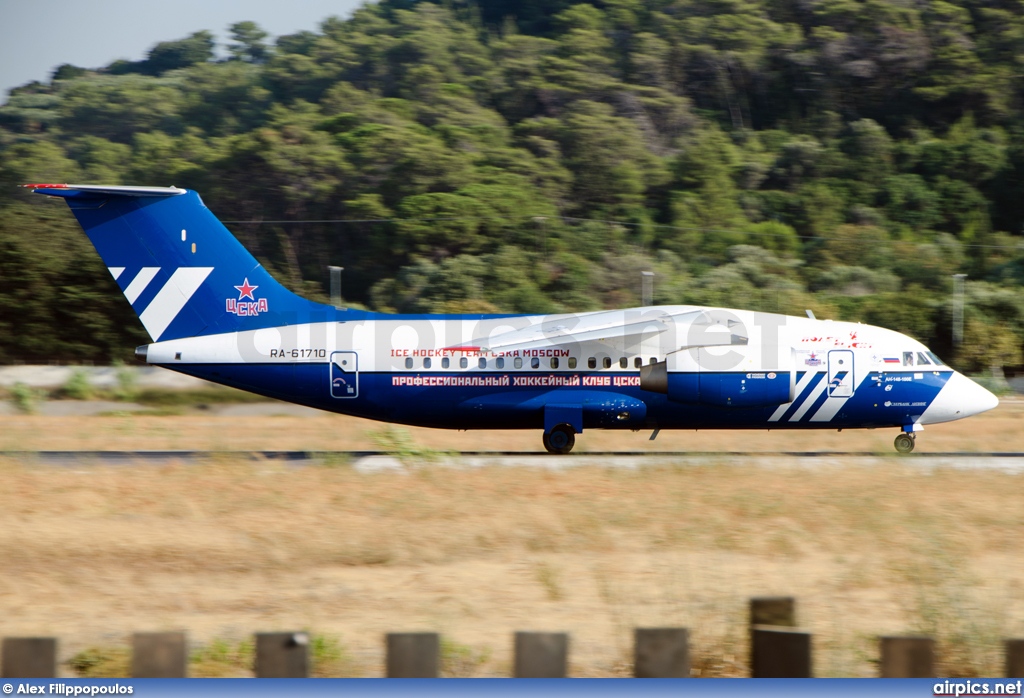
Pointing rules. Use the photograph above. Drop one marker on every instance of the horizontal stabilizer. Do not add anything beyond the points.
(74, 190)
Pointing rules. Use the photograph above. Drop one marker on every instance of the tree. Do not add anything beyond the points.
(66, 71)
(172, 55)
(248, 43)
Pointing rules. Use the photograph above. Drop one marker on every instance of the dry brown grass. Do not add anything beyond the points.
(223, 549)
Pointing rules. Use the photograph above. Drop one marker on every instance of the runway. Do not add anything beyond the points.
(377, 461)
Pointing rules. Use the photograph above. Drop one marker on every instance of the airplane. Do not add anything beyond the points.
(214, 312)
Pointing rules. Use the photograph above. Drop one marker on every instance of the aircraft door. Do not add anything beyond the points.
(344, 374)
(840, 373)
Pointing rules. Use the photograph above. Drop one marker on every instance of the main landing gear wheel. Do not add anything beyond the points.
(905, 443)
(561, 439)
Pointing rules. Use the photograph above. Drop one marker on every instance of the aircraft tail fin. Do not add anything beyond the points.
(183, 272)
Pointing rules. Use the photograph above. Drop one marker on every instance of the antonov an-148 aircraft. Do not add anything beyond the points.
(214, 312)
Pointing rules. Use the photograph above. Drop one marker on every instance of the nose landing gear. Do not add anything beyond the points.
(905, 442)
(560, 439)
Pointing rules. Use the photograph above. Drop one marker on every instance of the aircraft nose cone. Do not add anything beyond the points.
(960, 397)
(975, 398)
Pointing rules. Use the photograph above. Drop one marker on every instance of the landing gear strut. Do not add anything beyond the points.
(905, 443)
(560, 439)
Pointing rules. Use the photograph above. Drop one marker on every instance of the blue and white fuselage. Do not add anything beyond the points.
(438, 373)
(213, 312)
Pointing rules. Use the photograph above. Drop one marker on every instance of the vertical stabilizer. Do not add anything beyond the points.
(182, 271)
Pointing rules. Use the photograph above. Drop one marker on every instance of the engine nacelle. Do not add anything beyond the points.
(718, 389)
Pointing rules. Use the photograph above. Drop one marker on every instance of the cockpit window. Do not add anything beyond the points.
(908, 358)
(922, 360)
(935, 359)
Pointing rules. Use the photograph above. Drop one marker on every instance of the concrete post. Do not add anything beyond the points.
(159, 656)
(29, 658)
(661, 653)
(907, 657)
(773, 611)
(1014, 659)
(282, 655)
(336, 285)
(779, 653)
(646, 288)
(541, 655)
(413, 655)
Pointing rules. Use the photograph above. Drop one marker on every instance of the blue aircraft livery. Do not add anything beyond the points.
(212, 311)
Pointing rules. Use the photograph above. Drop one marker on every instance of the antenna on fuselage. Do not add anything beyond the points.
(810, 314)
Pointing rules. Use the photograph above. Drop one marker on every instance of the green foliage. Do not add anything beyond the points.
(462, 661)
(25, 398)
(222, 659)
(102, 663)
(400, 443)
(67, 71)
(78, 386)
(248, 42)
(127, 388)
(535, 157)
(330, 659)
(170, 55)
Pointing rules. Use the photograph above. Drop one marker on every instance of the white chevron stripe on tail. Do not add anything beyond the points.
(160, 313)
(139, 283)
(115, 271)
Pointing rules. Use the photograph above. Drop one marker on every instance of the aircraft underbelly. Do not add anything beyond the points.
(881, 399)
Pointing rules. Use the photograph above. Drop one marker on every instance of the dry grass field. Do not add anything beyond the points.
(222, 549)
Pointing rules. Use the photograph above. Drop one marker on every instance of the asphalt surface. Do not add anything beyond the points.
(374, 461)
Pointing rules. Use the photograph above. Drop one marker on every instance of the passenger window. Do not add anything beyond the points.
(591, 362)
(445, 362)
(554, 362)
(463, 362)
(482, 363)
(908, 358)
(518, 362)
(653, 361)
(638, 362)
(426, 362)
(535, 362)
(922, 360)
(623, 362)
(572, 362)
(607, 362)
(408, 362)
(499, 362)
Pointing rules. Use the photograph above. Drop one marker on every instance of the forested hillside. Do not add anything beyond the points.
(847, 156)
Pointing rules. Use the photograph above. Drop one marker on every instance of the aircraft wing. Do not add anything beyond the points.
(609, 327)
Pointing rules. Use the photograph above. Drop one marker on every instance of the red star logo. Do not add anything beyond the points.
(245, 290)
